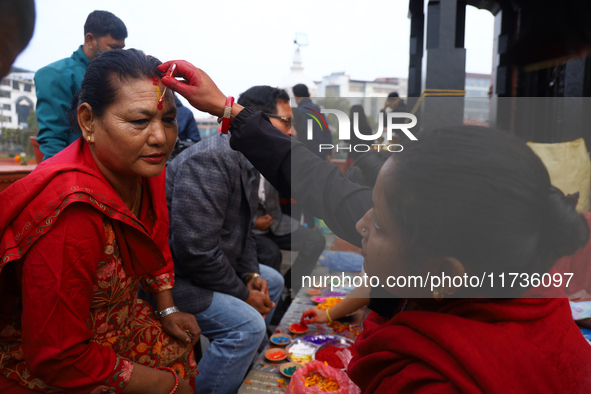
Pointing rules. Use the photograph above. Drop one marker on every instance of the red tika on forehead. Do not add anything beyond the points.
(160, 95)
(161, 99)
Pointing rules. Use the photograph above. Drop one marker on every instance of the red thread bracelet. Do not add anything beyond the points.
(227, 114)
(176, 378)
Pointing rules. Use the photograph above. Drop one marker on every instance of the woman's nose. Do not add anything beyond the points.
(362, 225)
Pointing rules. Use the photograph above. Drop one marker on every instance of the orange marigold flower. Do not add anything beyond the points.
(179, 369)
(142, 347)
(157, 347)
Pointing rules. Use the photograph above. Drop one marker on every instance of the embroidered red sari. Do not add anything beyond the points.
(72, 258)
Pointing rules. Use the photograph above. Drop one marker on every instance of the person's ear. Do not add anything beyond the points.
(89, 40)
(446, 267)
(86, 122)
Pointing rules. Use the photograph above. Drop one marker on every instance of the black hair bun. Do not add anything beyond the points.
(565, 231)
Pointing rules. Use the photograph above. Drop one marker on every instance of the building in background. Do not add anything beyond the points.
(338, 84)
(297, 76)
(17, 99)
(477, 103)
(207, 126)
(371, 94)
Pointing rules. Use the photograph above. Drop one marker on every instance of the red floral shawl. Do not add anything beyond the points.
(31, 206)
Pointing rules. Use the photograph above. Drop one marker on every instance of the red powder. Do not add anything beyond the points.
(160, 106)
(298, 327)
(327, 354)
(276, 355)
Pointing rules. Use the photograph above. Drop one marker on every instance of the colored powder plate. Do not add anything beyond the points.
(276, 354)
(288, 369)
(301, 352)
(320, 339)
(313, 292)
(298, 328)
(280, 339)
(300, 358)
(301, 347)
(318, 300)
(335, 294)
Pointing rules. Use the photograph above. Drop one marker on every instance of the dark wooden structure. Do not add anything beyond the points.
(542, 50)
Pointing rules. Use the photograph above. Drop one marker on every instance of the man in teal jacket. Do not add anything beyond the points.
(57, 83)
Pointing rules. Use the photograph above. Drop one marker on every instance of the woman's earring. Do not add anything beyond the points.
(88, 140)
(450, 291)
(438, 294)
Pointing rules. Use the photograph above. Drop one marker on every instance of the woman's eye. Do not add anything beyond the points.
(140, 122)
(377, 226)
(169, 120)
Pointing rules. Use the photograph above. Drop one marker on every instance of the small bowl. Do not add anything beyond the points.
(313, 292)
(280, 339)
(295, 331)
(318, 300)
(283, 367)
(273, 354)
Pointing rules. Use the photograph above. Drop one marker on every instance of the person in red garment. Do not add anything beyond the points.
(79, 235)
(459, 200)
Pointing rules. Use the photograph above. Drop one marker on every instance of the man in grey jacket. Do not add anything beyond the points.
(211, 193)
(276, 230)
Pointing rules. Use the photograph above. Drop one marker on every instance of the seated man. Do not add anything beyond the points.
(211, 193)
(275, 228)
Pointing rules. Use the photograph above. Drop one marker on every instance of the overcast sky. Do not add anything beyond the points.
(244, 43)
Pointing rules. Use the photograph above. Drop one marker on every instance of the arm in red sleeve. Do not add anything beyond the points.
(162, 279)
(58, 279)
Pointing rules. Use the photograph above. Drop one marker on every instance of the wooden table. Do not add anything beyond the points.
(264, 376)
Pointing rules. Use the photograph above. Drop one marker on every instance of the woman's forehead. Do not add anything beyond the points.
(140, 92)
(385, 173)
(383, 181)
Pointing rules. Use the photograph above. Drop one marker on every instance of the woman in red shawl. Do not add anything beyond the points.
(80, 233)
(460, 201)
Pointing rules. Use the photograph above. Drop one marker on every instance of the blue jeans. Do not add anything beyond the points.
(235, 330)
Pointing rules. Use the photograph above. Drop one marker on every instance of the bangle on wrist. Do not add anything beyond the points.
(250, 277)
(176, 378)
(166, 312)
(328, 316)
(225, 119)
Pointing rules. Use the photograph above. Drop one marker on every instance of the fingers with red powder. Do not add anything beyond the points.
(197, 87)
